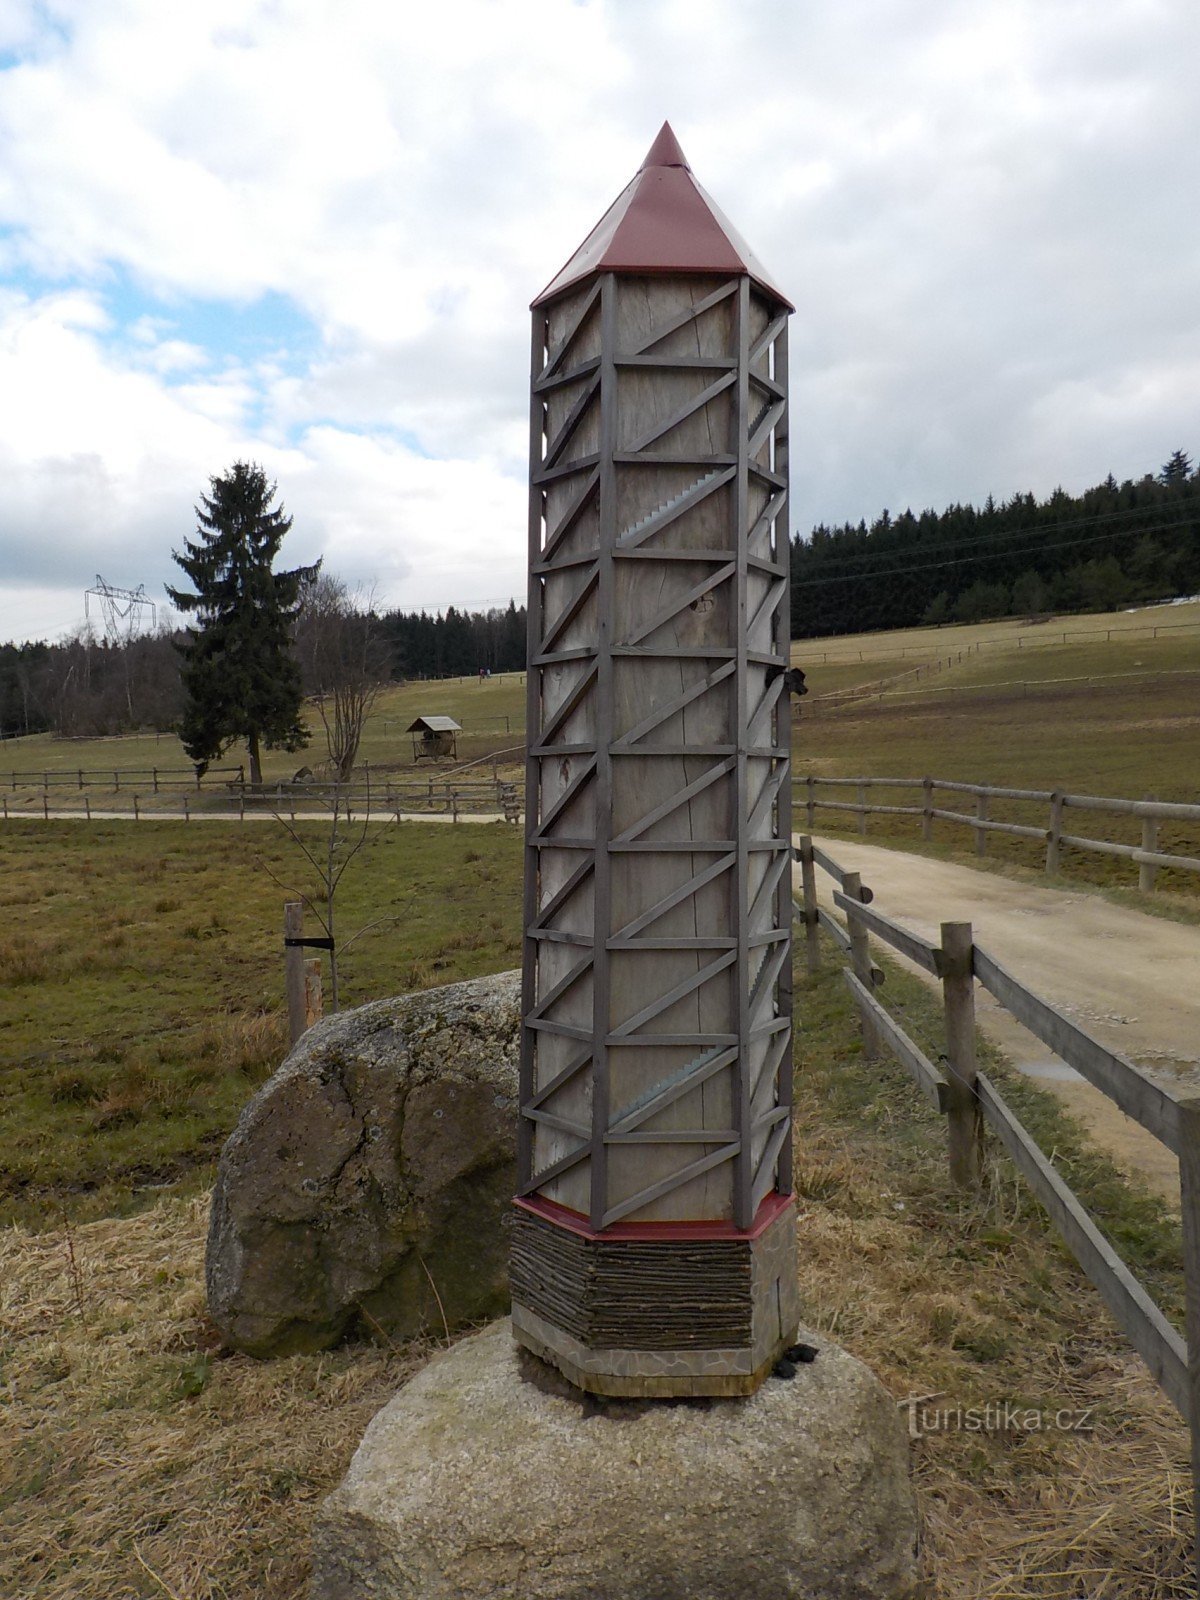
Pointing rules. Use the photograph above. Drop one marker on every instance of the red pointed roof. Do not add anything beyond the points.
(662, 221)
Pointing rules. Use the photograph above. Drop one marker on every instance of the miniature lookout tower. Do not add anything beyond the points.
(654, 1228)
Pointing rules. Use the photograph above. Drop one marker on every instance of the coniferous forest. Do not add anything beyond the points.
(1117, 544)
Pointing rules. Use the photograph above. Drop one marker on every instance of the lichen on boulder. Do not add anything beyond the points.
(367, 1184)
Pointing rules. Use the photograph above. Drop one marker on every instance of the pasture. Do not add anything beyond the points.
(142, 978)
(1118, 716)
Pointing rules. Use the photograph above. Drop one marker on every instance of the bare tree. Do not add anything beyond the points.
(343, 660)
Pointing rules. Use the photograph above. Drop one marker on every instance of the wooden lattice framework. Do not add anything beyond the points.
(654, 1232)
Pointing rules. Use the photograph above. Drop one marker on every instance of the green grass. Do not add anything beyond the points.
(141, 972)
(492, 715)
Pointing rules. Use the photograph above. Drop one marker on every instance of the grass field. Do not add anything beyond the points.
(1114, 717)
(141, 974)
(144, 1461)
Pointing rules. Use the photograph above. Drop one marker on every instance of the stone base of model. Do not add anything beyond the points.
(490, 1476)
(655, 1310)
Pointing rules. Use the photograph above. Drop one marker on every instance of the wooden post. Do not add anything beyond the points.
(812, 929)
(981, 811)
(313, 1005)
(927, 808)
(810, 801)
(187, 816)
(136, 812)
(958, 994)
(860, 957)
(862, 809)
(81, 777)
(1053, 843)
(117, 782)
(1189, 1186)
(45, 806)
(87, 806)
(1147, 871)
(293, 968)
(242, 806)
(155, 772)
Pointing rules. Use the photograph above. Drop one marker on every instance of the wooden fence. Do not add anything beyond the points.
(1148, 857)
(971, 1102)
(298, 801)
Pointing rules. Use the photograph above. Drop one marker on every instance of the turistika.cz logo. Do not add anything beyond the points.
(995, 1416)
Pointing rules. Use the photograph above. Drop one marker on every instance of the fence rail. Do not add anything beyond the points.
(299, 801)
(971, 1102)
(1150, 812)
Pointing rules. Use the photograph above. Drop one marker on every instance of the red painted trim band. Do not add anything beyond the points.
(772, 1206)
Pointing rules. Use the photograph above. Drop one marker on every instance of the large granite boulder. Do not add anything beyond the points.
(489, 1476)
(371, 1177)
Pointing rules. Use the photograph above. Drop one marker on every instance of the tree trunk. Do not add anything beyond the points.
(255, 757)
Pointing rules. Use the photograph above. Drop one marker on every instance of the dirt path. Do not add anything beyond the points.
(1131, 979)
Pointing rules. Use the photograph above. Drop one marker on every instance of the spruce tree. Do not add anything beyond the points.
(239, 675)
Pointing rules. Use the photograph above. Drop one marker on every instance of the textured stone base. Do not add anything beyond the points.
(488, 1477)
(690, 1314)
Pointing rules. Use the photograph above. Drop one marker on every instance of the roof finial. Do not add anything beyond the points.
(665, 151)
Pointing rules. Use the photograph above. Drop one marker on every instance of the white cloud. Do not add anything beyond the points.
(982, 212)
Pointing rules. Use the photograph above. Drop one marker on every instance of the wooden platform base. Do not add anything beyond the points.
(657, 1317)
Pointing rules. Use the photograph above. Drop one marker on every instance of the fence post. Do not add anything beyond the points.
(293, 967)
(313, 1004)
(81, 777)
(812, 930)
(1189, 1185)
(136, 813)
(862, 809)
(860, 957)
(187, 816)
(45, 806)
(87, 806)
(242, 806)
(958, 994)
(927, 809)
(1147, 871)
(117, 782)
(981, 813)
(1053, 842)
(810, 801)
(155, 771)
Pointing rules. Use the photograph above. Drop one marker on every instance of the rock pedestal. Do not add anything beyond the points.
(490, 1476)
(376, 1164)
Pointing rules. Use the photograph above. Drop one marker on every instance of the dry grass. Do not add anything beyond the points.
(976, 1302)
(138, 1459)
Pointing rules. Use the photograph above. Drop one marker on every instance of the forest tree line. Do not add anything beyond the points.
(1117, 544)
(85, 687)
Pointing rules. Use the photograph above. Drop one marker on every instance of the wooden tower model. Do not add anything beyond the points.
(654, 1227)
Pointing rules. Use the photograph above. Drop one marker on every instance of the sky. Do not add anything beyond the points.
(306, 233)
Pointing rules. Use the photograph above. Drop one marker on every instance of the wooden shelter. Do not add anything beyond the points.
(654, 1227)
(433, 737)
